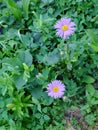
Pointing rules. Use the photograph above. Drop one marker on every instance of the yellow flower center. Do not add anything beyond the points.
(55, 89)
(64, 27)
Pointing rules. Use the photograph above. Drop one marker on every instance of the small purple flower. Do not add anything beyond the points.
(64, 27)
(56, 89)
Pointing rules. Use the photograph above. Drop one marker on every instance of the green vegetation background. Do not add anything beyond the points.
(31, 55)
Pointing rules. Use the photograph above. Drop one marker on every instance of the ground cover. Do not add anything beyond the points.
(48, 64)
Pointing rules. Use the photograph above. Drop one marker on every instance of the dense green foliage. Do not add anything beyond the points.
(31, 56)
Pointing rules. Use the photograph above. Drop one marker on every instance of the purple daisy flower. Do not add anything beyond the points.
(56, 89)
(64, 27)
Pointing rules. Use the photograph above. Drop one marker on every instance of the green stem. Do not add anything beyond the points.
(68, 52)
(69, 65)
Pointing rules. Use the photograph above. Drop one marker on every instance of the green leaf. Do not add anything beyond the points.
(1, 103)
(89, 79)
(36, 92)
(12, 63)
(13, 8)
(10, 34)
(26, 57)
(2, 128)
(19, 81)
(39, 107)
(90, 89)
(94, 47)
(47, 1)
(38, 115)
(36, 102)
(46, 118)
(5, 115)
(47, 100)
(51, 58)
(25, 4)
(41, 121)
(92, 35)
(12, 125)
(90, 119)
(45, 109)
(96, 94)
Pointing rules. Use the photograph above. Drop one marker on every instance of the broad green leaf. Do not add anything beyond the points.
(5, 115)
(46, 118)
(38, 115)
(94, 101)
(51, 58)
(12, 63)
(36, 92)
(26, 57)
(19, 81)
(41, 121)
(88, 79)
(90, 89)
(11, 33)
(47, 100)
